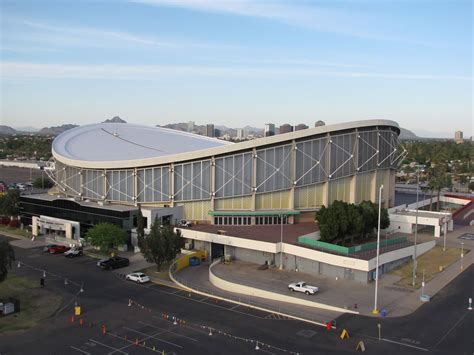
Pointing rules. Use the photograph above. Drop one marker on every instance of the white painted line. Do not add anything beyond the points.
(167, 331)
(237, 305)
(450, 330)
(108, 346)
(175, 292)
(408, 345)
(154, 337)
(82, 351)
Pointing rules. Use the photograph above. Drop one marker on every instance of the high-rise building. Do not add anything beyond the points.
(286, 128)
(210, 130)
(190, 126)
(217, 132)
(269, 129)
(240, 133)
(300, 127)
(458, 136)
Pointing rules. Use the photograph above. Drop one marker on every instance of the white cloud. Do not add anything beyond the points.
(23, 70)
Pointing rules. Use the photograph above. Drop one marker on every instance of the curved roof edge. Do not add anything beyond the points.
(231, 148)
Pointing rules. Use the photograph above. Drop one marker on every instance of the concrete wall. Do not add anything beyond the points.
(256, 292)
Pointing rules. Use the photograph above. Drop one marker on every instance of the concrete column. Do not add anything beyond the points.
(291, 202)
(213, 186)
(172, 185)
(104, 182)
(437, 231)
(254, 180)
(34, 226)
(81, 183)
(353, 189)
(328, 169)
(68, 230)
(135, 186)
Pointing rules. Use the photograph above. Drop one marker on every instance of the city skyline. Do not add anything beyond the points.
(156, 62)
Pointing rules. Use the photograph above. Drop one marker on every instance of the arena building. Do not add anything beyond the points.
(297, 171)
(103, 172)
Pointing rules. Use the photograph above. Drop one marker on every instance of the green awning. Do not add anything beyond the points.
(253, 213)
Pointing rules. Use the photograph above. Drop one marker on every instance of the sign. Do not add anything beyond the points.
(344, 334)
(77, 310)
(360, 346)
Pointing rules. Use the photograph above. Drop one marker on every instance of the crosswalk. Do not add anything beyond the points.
(276, 316)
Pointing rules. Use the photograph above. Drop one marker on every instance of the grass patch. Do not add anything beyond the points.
(430, 262)
(36, 303)
(17, 231)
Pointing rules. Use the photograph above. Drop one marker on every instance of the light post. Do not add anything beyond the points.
(416, 225)
(376, 310)
(445, 223)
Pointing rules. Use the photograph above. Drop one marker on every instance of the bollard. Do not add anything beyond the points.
(72, 319)
(136, 342)
(81, 322)
(90, 324)
(104, 329)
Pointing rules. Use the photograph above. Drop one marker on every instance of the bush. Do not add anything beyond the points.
(40, 183)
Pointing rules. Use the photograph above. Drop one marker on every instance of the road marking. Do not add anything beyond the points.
(450, 330)
(167, 330)
(108, 346)
(175, 292)
(399, 343)
(237, 305)
(82, 351)
(154, 336)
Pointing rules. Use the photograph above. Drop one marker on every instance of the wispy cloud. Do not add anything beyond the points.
(22, 70)
(70, 36)
(329, 19)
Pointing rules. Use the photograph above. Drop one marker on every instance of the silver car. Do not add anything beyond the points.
(138, 277)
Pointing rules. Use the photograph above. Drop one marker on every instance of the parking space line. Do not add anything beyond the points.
(237, 305)
(167, 331)
(82, 351)
(108, 346)
(154, 336)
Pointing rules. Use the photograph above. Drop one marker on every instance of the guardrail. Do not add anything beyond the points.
(302, 315)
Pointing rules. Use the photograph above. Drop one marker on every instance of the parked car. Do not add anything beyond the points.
(73, 252)
(58, 249)
(101, 261)
(303, 287)
(114, 263)
(138, 277)
(185, 223)
(49, 246)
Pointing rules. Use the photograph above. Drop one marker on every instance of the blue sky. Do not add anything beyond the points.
(238, 63)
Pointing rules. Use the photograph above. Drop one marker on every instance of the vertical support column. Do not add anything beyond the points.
(104, 184)
(355, 177)
(135, 186)
(291, 200)
(326, 201)
(254, 182)
(171, 196)
(213, 186)
(81, 184)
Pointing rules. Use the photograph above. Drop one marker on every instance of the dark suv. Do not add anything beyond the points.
(114, 263)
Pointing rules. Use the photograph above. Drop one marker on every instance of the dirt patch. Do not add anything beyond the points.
(36, 303)
(433, 262)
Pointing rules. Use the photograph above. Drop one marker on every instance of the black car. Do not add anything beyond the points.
(114, 263)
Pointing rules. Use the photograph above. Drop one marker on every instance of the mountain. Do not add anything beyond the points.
(406, 134)
(116, 119)
(7, 130)
(54, 131)
(27, 129)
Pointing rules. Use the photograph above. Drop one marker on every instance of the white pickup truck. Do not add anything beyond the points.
(303, 287)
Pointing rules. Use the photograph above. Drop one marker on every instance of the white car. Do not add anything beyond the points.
(303, 287)
(138, 277)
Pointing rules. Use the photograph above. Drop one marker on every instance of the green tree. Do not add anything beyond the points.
(7, 256)
(43, 183)
(10, 203)
(161, 245)
(106, 236)
(356, 222)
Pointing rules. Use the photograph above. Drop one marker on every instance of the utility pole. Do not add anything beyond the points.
(376, 310)
(416, 225)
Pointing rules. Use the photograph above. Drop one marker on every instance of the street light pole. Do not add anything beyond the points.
(416, 225)
(376, 310)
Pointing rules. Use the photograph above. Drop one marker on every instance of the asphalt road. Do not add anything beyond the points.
(442, 326)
